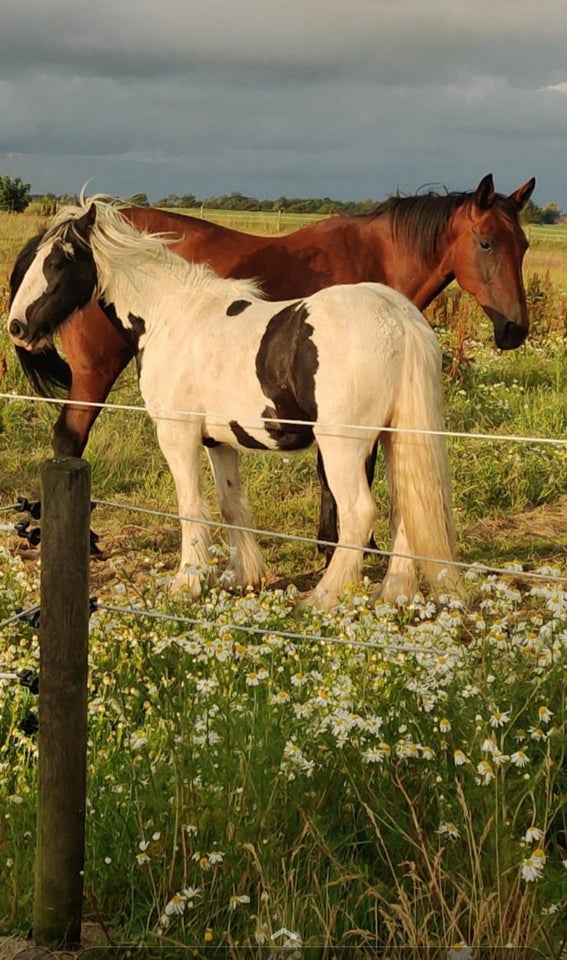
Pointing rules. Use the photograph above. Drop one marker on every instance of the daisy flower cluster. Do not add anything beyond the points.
(246, 757)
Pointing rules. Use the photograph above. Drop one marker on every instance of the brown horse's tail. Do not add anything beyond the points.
(48, 373)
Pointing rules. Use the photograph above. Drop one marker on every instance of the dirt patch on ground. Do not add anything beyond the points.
(535, 537)
(92, 935)
(548, 522)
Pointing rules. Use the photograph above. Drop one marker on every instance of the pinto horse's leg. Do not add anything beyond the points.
(96, 354)
(180, 444)
(328, 508)
(344, 461)
(246, 566)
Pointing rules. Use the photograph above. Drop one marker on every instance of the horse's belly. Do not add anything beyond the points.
(259, 432)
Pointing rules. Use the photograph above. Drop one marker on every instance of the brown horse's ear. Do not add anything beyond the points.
(484, 193)
(83, 225)
(521, 196)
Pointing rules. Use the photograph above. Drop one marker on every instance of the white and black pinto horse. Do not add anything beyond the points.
(220, 367)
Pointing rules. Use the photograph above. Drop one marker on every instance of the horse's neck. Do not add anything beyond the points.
(400, 264)
(134, 291)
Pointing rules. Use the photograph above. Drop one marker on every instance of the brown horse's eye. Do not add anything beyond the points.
(485, 245)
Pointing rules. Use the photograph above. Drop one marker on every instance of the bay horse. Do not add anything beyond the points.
(221, 367)
(416, 244)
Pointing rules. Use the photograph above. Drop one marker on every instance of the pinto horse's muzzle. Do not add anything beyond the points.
(26, 336)
(17, 331)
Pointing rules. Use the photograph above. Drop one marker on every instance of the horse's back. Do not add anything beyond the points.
(373, 310)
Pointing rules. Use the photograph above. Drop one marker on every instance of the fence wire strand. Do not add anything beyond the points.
(299, 538)
(283, 634)
(260, 421)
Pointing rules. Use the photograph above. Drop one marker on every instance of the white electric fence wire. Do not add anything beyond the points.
(283, 634)
(258, 421)
(481, 568)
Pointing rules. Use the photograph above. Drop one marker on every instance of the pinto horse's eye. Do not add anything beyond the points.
(485, 245)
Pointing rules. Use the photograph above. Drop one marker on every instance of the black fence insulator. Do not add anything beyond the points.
(33, 507)
(29, 725)
(34, 619)
(31, 618)
(94, 548)
(33, 535)
(29, 679)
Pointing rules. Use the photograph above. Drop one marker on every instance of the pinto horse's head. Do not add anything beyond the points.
(487, 253)
(56, 275)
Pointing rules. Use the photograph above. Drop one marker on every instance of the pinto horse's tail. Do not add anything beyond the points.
(48, 373)
(418, 466)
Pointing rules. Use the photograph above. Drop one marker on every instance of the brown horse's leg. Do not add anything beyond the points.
(97, 354)
(328, 530)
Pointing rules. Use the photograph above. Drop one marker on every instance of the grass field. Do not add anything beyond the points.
(401, 783)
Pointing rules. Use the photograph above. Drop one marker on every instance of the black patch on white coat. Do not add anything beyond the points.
(137, 331)
(131, 334)
(210, 441)
(237, 307)
(244, 438)
(286, 364)
(137, 328)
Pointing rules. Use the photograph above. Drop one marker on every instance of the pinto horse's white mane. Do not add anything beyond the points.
(117, 246)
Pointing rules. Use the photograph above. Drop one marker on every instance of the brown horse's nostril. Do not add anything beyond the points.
(17, 330)
(512, 336)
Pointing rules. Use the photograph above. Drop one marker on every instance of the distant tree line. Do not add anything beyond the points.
(15, 196)
(550, 213)
(238, 201)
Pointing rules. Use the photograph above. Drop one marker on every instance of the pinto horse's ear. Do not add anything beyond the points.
(521, 196)
(484, 193)
(83, 225)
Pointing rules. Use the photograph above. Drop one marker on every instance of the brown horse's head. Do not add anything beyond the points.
(486, 255)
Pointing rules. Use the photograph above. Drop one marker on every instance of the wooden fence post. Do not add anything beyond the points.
(62, 738)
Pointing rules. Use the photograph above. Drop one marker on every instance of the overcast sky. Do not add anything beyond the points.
(341, 98)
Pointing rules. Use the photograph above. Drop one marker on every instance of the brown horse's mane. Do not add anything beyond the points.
(423, 218)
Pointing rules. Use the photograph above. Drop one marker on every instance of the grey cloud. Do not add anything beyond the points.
(299, 97)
